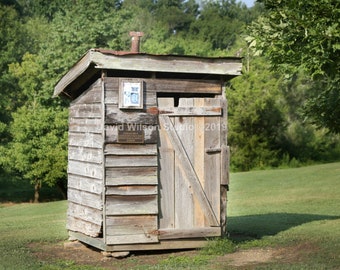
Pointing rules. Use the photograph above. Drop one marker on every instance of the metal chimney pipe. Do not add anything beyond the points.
(135, 41)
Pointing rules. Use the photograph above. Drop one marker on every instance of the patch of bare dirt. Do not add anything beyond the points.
(243, 259)
(82, 254)
(256, 256)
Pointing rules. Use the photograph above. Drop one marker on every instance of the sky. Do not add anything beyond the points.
(249, 3)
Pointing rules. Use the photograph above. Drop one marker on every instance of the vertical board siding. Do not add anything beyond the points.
(193, 149)
(85, 159)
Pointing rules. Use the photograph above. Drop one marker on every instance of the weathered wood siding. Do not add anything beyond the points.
(190, 148)
(85, 163)
(131, 197)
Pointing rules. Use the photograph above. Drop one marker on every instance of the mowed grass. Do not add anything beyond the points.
(289, 207)
(23, 224)
(273, 208)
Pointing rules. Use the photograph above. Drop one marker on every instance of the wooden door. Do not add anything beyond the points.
(190, 164)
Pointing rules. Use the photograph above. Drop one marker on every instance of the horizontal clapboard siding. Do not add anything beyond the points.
(79, 225)
(88, 139)
(85, 163)
(130, 161)
(131, 229)
(91, 185)
(87, 214)
(85, 154)
(92, 95)
(150, 133)
(116, 116)
(131, 205)
(131, 176)
(85, 198)
(86, 110)
(85, 169)
(169, 86)
(85, 125)
(130, 190)
(130, 149)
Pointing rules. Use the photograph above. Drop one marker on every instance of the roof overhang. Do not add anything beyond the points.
(95, 60)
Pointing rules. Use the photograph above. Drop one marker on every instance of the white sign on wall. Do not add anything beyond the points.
(131, 94)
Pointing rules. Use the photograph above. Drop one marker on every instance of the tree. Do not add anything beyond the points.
(305, 35)
(38, 150)
(256, 119)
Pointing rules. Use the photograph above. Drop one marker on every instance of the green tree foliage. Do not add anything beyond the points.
(256, 120)
(12, 40)
(40, 40)
(39, 146)
(305, 35)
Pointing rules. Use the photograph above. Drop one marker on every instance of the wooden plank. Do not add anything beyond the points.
(174, 244)
(131, 205)
(131, 149)
(183, 86)
(112, 98)
(184, 193)
(82, 212)
(111, 90)
(189, 171)
(223, 214)
(85, 198)
(116, 116)
(165, 102)
(150, 133)
(131, 229)
(198, 160)
(189, 233)
(171, 85)
(82, 226)
(85, 169)
(88, 139)
(131, 176)
(130, 161)
(86, 110)
(225, 153)
(96, 242)
(212, 159)
(166, 187)
(93, 125)
(191, 111)
(92, 95)
(131, 190)
(86, 154)
(166, 174)
(180, 64)
(91, 185)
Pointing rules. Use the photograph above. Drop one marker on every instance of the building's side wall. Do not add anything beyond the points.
(85, 163)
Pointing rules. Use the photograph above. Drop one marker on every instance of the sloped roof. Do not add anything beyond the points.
(89, 66)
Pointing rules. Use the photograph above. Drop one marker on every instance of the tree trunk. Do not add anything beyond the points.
(63, 189)
(37, 188)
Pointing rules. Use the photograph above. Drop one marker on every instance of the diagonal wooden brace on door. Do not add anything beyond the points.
(188, 169)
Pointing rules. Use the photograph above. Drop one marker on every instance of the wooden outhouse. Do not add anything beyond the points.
(147, 150)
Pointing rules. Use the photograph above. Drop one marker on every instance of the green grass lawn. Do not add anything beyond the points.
(284, 207)
(273, 208)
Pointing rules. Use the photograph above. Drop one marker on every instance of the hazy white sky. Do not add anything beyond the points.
(249, 3)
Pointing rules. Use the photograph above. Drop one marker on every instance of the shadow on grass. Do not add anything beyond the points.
(243, 228)
(22, 191)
